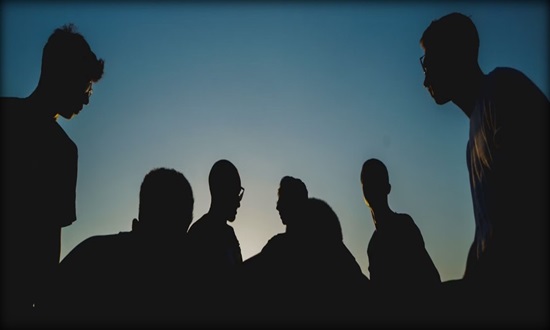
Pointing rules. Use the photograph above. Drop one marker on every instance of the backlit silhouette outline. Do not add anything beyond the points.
(506, 277)
(403, 276)
(133, 277)
(39, 170)
(215, 249)
(305, 275)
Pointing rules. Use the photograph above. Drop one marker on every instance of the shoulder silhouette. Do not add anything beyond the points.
(213, 239)
(268, 276)
(307, 274)
(216, 253)
(39, 171)
(136, 276)
(507, 160)
(402, 273)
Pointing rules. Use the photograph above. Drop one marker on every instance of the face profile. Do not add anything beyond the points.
(225, 189)
(69, 70)
(292, 195)
(74, 98)
(375, 182)
(451, 46)
(232, 207)
(437, 77)
(283, 206)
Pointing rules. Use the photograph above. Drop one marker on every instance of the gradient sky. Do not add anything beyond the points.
(301, 89)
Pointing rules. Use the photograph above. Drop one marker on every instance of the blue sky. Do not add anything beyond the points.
(301, 89)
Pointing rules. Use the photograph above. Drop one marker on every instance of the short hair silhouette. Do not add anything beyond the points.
(223, 179)
(507, 161)
(165, 200)
(454, 35)
(375, 180)
(375, 172)
(41, 181)
(292, 193)
(293, 188)
(67, 53)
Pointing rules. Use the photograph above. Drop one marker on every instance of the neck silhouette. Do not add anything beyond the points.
(42, 101)
(217, 213)
(380, 210)
(469, 87)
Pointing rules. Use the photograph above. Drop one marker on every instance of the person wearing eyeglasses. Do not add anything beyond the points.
(39, 170)
(506, 275)
(214, 247)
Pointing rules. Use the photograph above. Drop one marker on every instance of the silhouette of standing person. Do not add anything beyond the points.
(40, 169)
(137, 276)
(292, 199)
(266, 276)
(216, 253)
(402, 274)
(507, 157)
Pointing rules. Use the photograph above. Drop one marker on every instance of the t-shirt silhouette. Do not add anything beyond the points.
(398, 259)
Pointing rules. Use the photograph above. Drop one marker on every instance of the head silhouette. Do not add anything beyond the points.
(375, 182)
(292, 197)
(225, 189)
(323, 221)
(69, 67)
(451, 46)
(165, 204)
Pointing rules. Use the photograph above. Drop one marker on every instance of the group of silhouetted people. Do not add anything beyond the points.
(166, 270)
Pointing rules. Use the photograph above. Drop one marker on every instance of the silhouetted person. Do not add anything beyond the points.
(291, 203)
(39, 170)
(305, 275)
(330, 281)
(292, 198)
(265, 276)
(403, 276)
(507, 158)
(216, 253)
(137, 276)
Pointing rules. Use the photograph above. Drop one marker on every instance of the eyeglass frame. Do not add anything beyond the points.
(89, 89)
(424, 68)
(241, 193)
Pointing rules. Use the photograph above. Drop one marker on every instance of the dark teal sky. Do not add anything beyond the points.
(302, 89)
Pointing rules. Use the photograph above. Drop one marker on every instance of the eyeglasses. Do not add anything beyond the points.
(422, 64)
(89, 90)
(241, 193)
